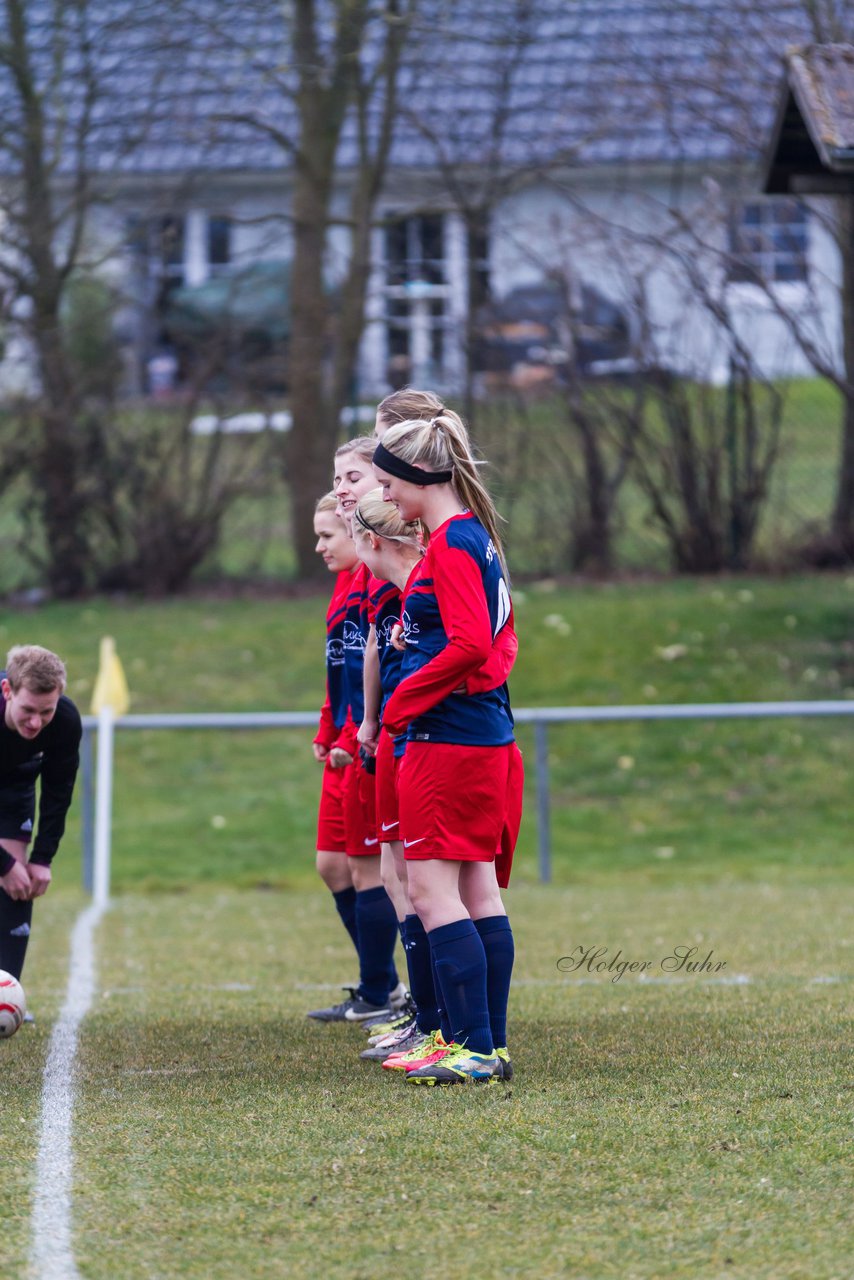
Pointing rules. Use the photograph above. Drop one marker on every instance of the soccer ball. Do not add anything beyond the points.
(13, 1004)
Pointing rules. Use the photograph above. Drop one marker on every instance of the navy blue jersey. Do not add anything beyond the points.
(355, 628)
(385, 608)
(333, 715)
(385, 603)
(455, 604)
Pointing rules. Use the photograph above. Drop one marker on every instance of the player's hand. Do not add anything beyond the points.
(320, 752)
(39, 878)
(397, 637)
(339, 758)
(368, 735)
(17, 882)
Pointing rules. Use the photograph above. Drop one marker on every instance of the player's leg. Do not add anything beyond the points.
(331, 862)
(376, 922)
(448, 820)
(480, 892)
(15, 917)
(333, 866)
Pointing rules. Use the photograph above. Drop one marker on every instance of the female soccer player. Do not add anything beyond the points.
(390, 548)
(461, 777)
(406, 405)
(334, 745)
(375, 920)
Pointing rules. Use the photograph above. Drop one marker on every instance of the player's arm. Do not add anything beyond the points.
(499, 664)
(59, 773)
(326, 731)
(370, 726)
(344, 748)
(458, 586)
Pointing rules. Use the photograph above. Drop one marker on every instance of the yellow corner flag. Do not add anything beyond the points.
(111, 687)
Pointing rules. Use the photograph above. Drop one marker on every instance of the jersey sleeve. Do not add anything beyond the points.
(458, 586)
(347, 739)
(326, 730)
(499, 664)
(57, 786)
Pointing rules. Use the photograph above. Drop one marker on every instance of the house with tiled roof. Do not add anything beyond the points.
(602, 141)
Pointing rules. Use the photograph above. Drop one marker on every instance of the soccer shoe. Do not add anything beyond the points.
(506, 1064)
(361, 1009)
(381, 1025)
(398, 1026)
(431, 1048)
(400, 1041)
(398, 998)
(341, 1012)
(460, 1066)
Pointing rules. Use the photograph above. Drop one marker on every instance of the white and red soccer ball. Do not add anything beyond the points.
(13, 1004)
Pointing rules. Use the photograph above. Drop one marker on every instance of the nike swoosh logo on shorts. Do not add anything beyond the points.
(374, 841)
(407, 844)
(387, 826)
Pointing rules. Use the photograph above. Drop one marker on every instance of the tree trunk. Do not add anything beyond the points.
(842, 527)
(313, 435)
(58, 461)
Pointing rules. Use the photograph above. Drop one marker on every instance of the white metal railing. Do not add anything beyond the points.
(539, 717)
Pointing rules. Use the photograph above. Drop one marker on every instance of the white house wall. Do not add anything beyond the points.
(579, 234)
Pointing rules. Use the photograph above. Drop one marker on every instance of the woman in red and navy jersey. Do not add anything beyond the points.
(461, 778)
(334, 744)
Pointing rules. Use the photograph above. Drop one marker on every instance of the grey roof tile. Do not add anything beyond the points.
(600, 81)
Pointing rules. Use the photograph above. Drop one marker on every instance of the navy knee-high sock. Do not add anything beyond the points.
(15, 918)
(497, 938)
(377, 930)
(444, 1024)
(419, 962)
(345, 904)
(461, 968)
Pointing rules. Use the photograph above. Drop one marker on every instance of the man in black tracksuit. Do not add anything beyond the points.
(40, 733)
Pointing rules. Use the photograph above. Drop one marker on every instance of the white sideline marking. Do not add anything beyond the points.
(52, 1253)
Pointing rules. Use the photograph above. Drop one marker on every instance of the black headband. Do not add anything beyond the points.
(415, 475)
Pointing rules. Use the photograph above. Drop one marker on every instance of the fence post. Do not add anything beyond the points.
(544, 837)
(103, 806)
(87, 807)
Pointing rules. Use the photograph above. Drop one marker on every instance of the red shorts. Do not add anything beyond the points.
(360, 811)
(388, 768)
(460, 803)
(330, 818)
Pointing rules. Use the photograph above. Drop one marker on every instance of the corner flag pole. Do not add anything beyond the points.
(109, 700)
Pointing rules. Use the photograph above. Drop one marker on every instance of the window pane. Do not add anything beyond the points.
(219, 241)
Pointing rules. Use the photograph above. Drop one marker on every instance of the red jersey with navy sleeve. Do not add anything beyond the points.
(334, 712)
(455, 605)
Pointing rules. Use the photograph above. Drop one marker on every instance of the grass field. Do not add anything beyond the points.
(690, 1125)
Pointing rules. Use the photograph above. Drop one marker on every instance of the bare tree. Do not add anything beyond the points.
(325, 96)
(121, 500)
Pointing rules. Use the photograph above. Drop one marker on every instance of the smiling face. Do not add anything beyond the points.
(334, 543)
(27, 712)
(354, 477)
(407, 497)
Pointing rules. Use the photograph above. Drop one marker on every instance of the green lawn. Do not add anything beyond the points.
(734, 797)
(688, 1125)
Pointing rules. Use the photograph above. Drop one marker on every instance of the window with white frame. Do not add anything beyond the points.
(769, 241)
(417, 297)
